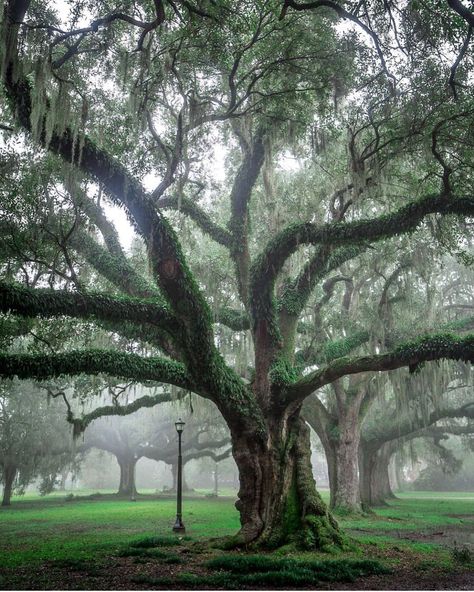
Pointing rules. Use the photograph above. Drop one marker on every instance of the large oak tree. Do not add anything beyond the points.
(195, 72)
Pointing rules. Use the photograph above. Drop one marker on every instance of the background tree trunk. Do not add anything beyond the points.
(374, 460)
(381, 479)
(366, 461)
(174, 473)
(63, 479)
(127, 475)
(347, 493)
(9, 474)
(339, 431)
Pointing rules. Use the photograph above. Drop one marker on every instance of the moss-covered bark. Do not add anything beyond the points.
(278, 500)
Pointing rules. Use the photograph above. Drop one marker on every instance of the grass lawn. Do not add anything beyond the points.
(39, 529)
(52, 537)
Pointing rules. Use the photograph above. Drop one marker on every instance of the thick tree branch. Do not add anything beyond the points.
(462, 52)
(297, 293)
(97, 216)
(240, 197)
(208, 454)
(332, 350)
(199, 216)
(412, 354)
(95, 361)
(116, 270)
(269, 264)
(395, 429)
(81, 423)
(33, 303)
(191, 450)
(462, 10)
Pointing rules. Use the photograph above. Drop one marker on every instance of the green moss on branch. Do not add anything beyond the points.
(29, 302)
(94, 361)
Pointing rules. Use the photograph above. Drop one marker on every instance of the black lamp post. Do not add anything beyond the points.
(178, 525)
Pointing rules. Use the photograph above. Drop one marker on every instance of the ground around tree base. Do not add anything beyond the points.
(420, 541)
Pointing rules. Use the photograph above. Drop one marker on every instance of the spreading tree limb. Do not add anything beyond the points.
(199, 216)
(95, 361)
(29, 302)
(411, 354)
(269, 264)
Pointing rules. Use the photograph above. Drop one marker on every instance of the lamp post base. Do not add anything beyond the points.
(179, 526)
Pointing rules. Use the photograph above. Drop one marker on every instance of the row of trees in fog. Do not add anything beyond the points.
(37, 442)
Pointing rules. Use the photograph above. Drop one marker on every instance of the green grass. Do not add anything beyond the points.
(52, 529)
(411, 513)
(444, 495)
(35, 530)
(264, 570)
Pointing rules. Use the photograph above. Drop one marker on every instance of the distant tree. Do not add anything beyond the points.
(449, 459)
(150, 434)
(378, 290)
(391, 428)
(35, 441)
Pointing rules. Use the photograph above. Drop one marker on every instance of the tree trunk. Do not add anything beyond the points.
(174, 473)
(62, 481)
(324, 434)
(127, 466)
(375, 486)
(340, 436)
(347, 493)
(324, 425)
(278, 501)
(9, 474)
(399, 473)
(381, 478)
(392, 474)
(216, 479)
(366, 462)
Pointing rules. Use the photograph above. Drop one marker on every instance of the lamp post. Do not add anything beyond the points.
(178, 525)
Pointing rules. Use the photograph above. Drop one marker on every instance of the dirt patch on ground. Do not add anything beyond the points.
(410, 571)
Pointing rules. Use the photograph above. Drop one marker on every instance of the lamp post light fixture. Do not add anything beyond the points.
(178, 525)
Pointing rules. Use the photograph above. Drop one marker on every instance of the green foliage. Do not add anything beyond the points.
(342, 347)
(93, 361)
(462, 555)
(442, 345)
(283, 373)
(262, 570)
(323, 569)
(163, 556)
(158, 541)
